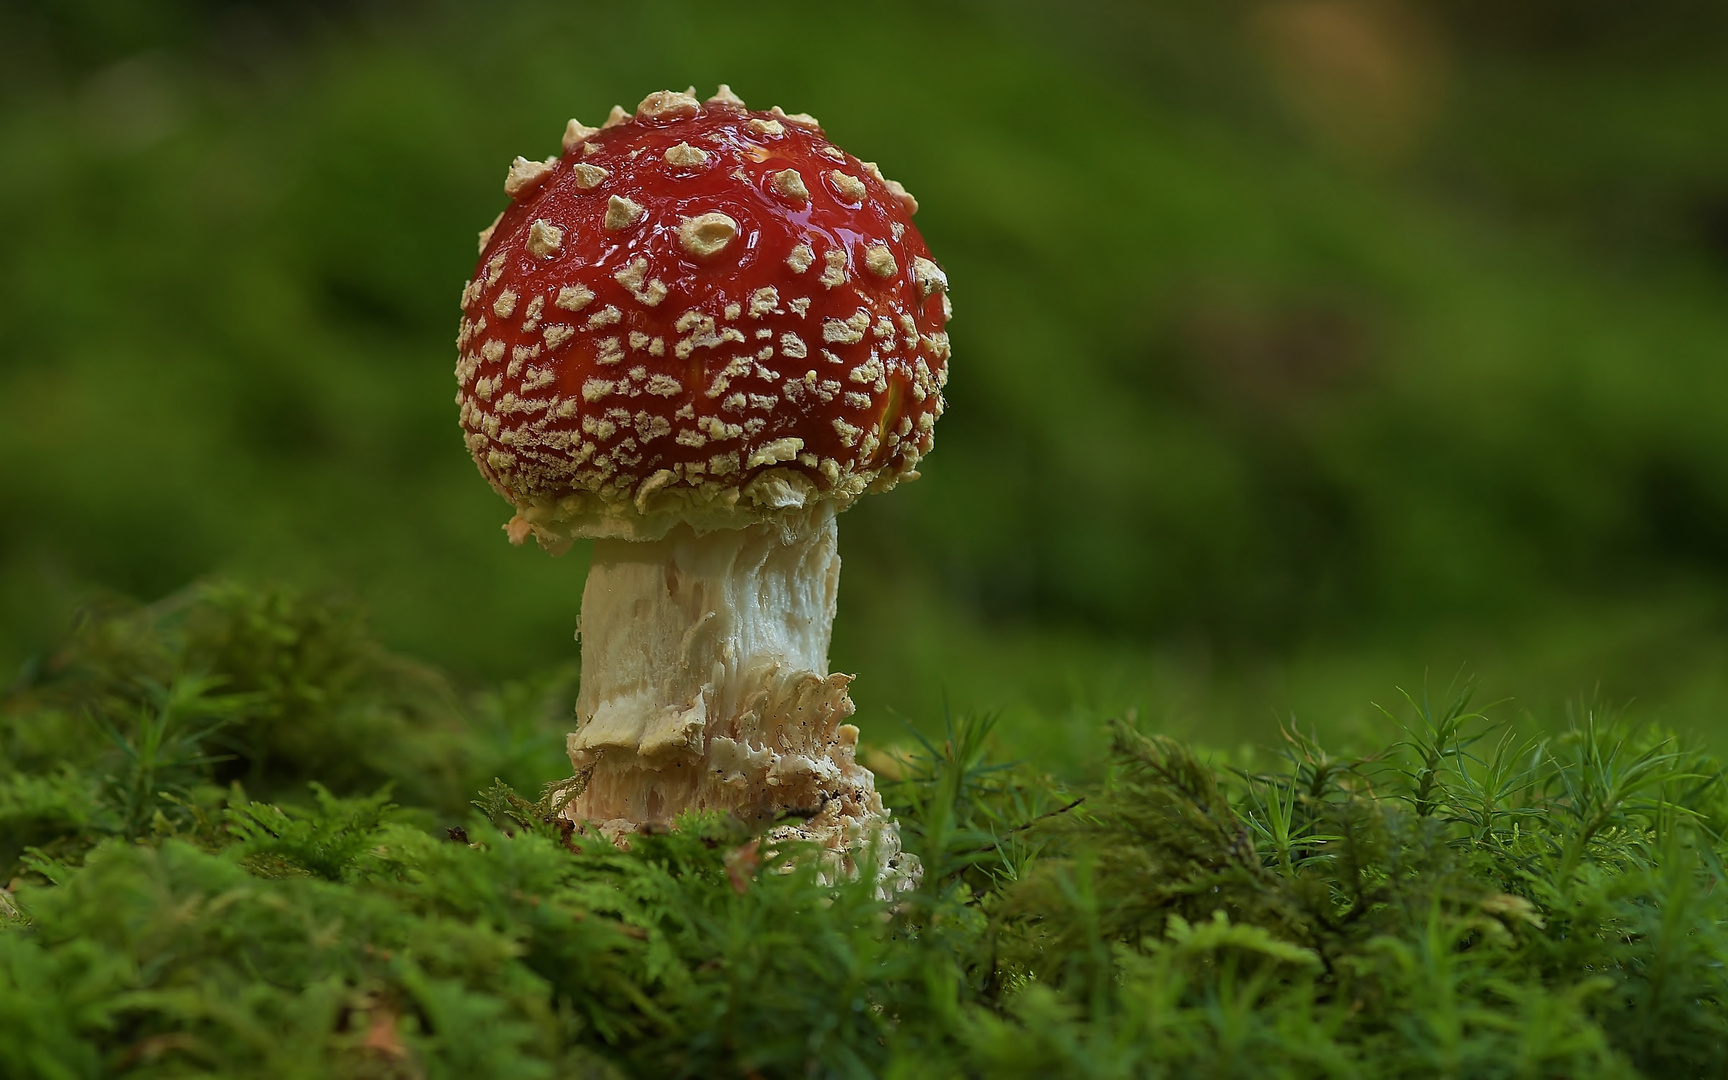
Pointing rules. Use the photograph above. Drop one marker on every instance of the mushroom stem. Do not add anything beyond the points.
(705, 681)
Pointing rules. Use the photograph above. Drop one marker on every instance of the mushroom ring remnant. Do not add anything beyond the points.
(696, 336)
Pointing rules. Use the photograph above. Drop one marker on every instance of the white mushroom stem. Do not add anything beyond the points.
(705, 682)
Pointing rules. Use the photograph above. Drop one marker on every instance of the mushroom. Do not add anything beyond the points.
(696, 337)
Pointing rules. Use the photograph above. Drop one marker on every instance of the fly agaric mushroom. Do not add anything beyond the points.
(695, 337)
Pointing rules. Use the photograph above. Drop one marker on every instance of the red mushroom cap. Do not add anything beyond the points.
(698, 314)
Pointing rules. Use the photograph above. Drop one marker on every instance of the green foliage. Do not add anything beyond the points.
(325, 842)
(162, 748)
(1460, 903)
(1312, 409)
(269, 688)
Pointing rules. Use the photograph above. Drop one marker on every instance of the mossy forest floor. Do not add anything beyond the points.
(242, 840)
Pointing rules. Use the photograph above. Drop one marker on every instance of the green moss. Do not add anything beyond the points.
(1456, 903)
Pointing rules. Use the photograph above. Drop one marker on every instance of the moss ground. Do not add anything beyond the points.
(244, 840)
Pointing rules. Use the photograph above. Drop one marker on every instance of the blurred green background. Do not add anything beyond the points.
(1303, 348)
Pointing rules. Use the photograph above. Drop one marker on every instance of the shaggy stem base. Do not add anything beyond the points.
(705, 685)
